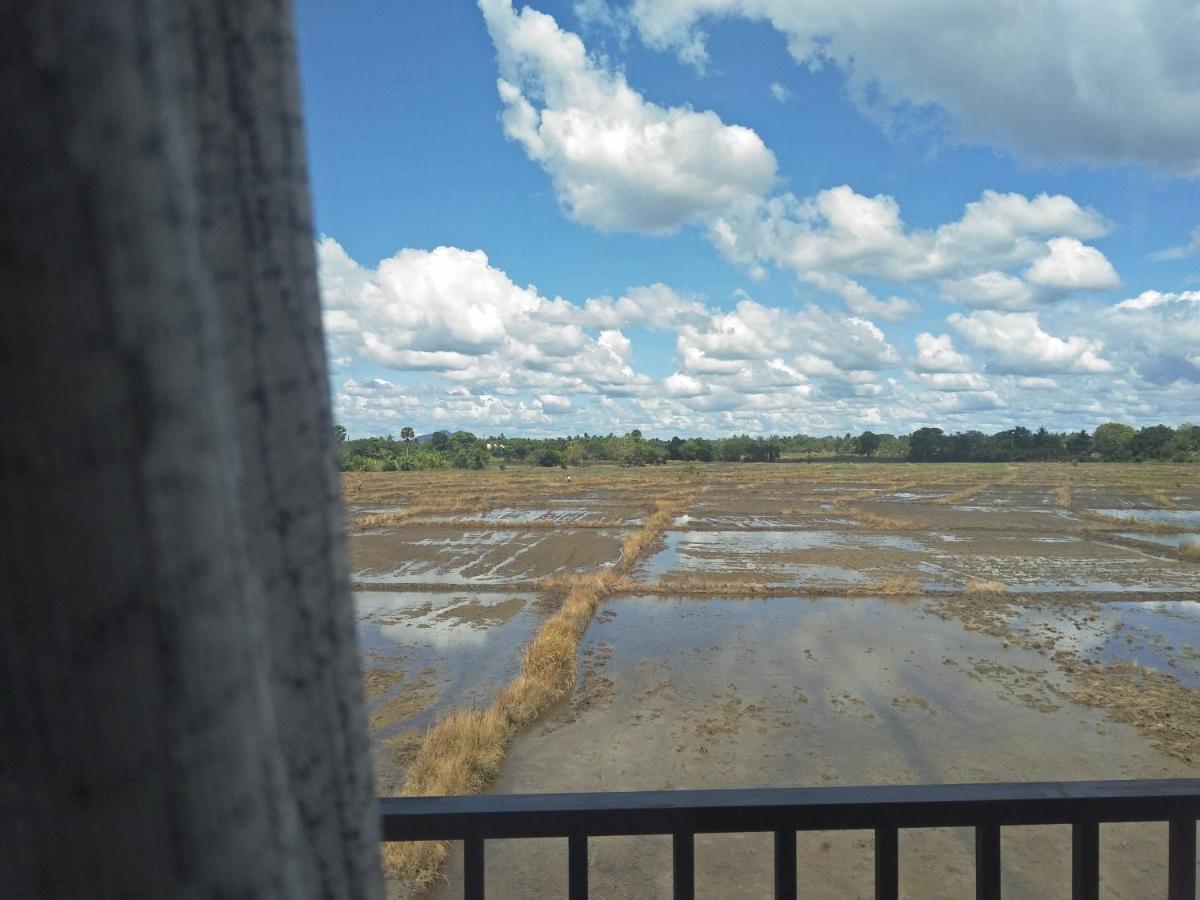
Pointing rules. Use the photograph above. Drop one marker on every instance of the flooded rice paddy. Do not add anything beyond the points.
(749, 647)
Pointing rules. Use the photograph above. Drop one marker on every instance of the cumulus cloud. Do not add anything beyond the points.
(937, 354)
(1157, 334)
(655, 306)
(621, 162)
(553, 404)
(763, 351)
(989, 290)
(1106, 82)
(680, 384)
(1018, 345)
(618, 161)
(511, 356)
(1072, 266)
(838, 235)
(451, 312)
(952, 381)
(460, 345)
(841, 230)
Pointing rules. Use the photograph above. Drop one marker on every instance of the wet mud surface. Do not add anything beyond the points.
(1049, 629)
(456, 556)
(684, 693)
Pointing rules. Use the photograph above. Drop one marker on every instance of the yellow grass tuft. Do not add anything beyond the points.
(461, 754)
(1162, 500)
(1190, 552)
(685, 585)
(878, 520)
(1118, 523)
(898, 586)
(1062, 497)
(962, 494)
(985, 586)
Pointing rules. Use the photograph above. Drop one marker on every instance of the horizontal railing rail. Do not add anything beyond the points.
(884, 809)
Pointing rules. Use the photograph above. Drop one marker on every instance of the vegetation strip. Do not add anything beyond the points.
(462, 752)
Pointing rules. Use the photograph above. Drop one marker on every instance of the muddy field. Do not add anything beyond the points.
(794, 624)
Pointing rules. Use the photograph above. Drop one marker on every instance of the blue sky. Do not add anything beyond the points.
(716, 216)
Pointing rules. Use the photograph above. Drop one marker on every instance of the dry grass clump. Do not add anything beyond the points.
(962, 494)
(898, 586)
(462, 752)
(985, 586)
(686, 585)
(1062, 497)
(475, 505)
(1190, 552)
(543, 524)
(1117, 522)
(1104, 519)
(878, 520)
(653, 526)
(1162, 500)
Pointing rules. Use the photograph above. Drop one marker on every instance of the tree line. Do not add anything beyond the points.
(1112, 442)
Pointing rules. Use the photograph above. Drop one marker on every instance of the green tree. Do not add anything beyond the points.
(549, 457)
(339, 434)
(928, 445)
(576, 453)
(868, 443)
(1151, 442)
(1079, 444)
(1113, 441)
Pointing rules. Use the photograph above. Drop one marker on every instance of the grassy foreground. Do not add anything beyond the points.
(462, 752)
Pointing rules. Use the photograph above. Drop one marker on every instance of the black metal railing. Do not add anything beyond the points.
(885, 809)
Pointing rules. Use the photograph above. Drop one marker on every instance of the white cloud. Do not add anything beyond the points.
(1183, 251)
(952, 381)
(752, 335)
(989, 290)
(937, 354)
(449, 311)
(1106, 82)
(553, 404)
(837, 235)
(1157, 335)
(1018, 345)
(459, 345)
(621, 162)
(618, 161)
(680, 384)
(656, 306)
(1072, 266)
(779, 92)
(1151, 299)
(506, 356)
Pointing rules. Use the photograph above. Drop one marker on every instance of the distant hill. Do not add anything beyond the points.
(426, 438)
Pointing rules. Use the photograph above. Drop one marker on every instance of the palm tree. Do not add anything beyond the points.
(407, 435)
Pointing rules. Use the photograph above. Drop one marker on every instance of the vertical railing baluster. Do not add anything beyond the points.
(473, 869)
(577, 867)
(1181, 865)
(1085, 861)
(987, 862)
(785, 865)
(683, 853)
(887, 864)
